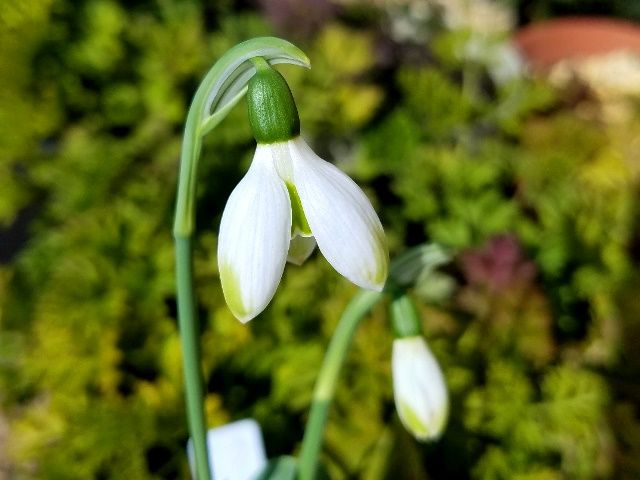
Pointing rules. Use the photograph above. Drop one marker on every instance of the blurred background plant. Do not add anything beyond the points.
(429, 107)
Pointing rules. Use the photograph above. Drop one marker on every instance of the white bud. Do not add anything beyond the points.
(419, 389)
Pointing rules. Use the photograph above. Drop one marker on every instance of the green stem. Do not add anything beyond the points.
(222, 88)
(188, 322)
(328, 378)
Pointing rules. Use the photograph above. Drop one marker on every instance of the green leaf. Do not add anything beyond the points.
(281, 468)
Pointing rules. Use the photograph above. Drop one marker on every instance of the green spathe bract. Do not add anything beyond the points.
(222, 88)
(272, 111)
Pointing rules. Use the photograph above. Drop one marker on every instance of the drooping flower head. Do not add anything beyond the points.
(419, 389)
(289, 200)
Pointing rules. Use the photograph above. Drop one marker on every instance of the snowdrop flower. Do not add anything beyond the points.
(290, 199)
(418, 387)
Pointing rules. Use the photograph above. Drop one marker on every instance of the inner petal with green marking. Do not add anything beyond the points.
(299, 224)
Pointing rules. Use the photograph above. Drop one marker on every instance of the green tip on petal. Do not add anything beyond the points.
(231, 290)
(420, 430)
(382, 260)
(412, 422)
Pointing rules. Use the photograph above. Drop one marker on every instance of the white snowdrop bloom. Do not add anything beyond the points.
(290, 199)
(419, 389)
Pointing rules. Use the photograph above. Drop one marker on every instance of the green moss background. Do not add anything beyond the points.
(535, 321)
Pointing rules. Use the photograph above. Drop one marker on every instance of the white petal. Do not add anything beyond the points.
(254, 238)
(342, 220)
(300, 248)
(419, 389)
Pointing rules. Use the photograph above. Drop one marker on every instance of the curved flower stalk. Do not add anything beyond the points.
(290, 199)
(220, 90)
(223, 86)
(419, 387)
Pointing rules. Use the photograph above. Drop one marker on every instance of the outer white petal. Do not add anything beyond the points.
(342, 220)
(419, 389)
(300, 248)
(254, 238)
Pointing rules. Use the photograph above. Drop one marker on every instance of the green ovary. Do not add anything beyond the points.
(231, 290)
(299, 222)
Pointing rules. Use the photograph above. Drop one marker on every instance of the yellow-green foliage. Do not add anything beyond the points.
(534, 322)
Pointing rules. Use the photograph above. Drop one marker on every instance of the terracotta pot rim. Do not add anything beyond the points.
(545, 43)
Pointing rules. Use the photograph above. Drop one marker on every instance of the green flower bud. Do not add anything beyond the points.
(272, 111)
